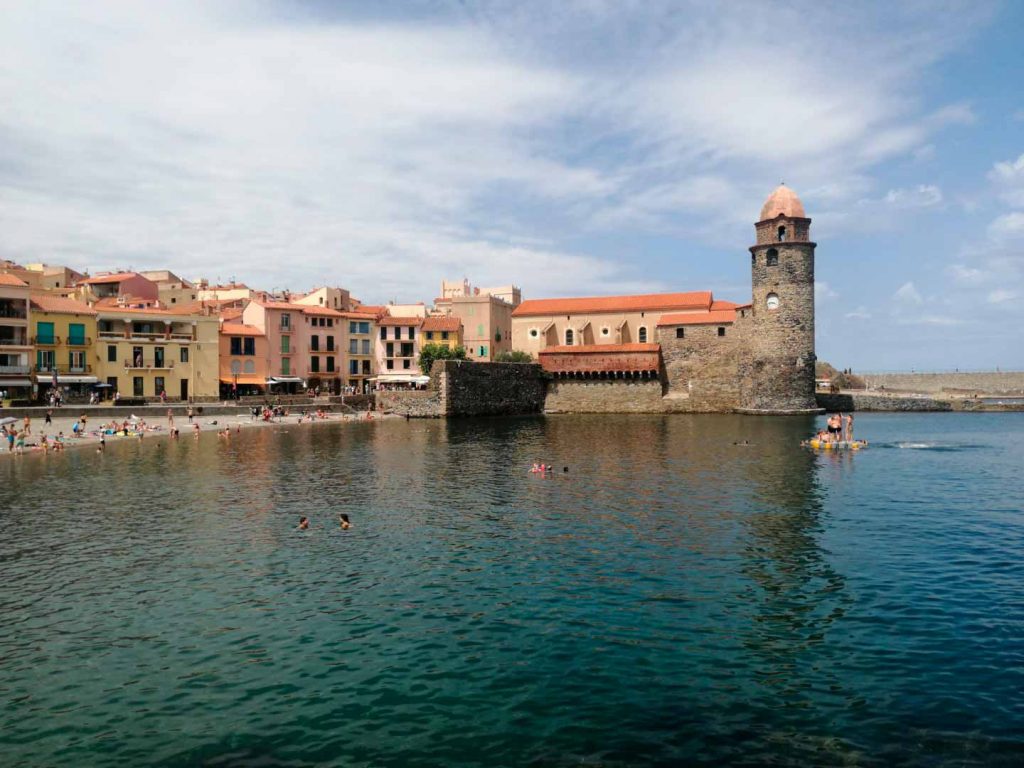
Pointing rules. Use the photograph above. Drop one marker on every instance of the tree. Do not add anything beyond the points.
(431, 352)
(515, 356)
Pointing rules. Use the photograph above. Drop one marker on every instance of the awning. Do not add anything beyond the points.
(70, 379)
(284, 380)
(243, 379)
(15, 382)
(395, 378)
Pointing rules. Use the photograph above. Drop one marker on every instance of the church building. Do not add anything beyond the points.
(689, 352)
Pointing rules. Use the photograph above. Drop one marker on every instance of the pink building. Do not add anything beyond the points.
(303, 344)
(398, 352)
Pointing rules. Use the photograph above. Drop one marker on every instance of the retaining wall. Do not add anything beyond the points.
(993, 382)
(463, 388)
(604, 396)
(870, 402)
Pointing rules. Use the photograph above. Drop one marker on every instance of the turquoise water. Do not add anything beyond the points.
(672, 599)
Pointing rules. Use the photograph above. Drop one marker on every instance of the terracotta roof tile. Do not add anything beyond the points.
(446, 323)
(403, 321)
(120, 277)
(44, 302)
(6, 279)
(699, 318)
(589, 349)
(240, 329)
(597, 304)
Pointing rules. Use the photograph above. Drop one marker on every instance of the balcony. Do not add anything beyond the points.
(17, 340)
(45, 341)
(60, 370)
(112, 334)
(144, 364)
(15, 370)
(79, 341)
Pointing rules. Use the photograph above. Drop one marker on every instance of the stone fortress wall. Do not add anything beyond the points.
(991, 382)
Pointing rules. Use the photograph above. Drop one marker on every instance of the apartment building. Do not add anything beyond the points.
(358, 342)
(143, 351)
(443, 330)
(64, 333)
(15, 341)
(243, 360)
(398, 351)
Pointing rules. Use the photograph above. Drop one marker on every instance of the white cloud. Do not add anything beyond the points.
(823, 292)
(1001, 295)
(907, 294)
(1009, 226)
(921, 196)
(1008, 178)
(860, 313)
(964, 274)
(384, 154)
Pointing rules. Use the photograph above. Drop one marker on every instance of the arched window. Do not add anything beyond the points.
(568, 337)
(236, 367)
(782, 234)
(772, 301)
(250, 366)
(773, 258)
(641, 334)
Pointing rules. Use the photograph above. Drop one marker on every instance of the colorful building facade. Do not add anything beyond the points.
(145, 351)
(15, 339)
(398, 351)
(63, 339)
(243, 360)
(445, 331)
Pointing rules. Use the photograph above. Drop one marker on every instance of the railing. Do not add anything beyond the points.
(46, 341)
(112, 335)
(7, 315)
(180, 336)
(14, 341)
(15, 369)
(166, 364)
(285, 329)
(79, 341)
(59, 369)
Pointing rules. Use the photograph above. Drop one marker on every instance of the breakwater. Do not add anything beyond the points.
(986, 382)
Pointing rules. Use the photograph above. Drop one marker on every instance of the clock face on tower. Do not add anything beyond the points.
(772, 301)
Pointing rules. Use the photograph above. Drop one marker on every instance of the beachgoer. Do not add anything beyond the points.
(170, 418)
(343, 521)
(303, 524)
(49, 417)
(835, 428)
(28, 426)
(190, 414)
(195, 430)
(849, 427)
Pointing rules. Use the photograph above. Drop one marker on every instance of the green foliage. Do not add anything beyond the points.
(515, 356)
(431, 352)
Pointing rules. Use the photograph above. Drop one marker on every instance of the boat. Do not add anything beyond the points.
(842, 445)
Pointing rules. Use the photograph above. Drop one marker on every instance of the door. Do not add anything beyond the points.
(137, 386)
(184, 390)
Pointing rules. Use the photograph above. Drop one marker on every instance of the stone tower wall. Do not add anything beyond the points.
(778, 374)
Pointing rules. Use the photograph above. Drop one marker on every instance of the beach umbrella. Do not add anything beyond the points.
(7, 420)
(103, 385)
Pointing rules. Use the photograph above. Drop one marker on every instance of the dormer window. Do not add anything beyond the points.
(772, 258)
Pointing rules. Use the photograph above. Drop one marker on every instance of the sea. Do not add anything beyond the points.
(676, 590)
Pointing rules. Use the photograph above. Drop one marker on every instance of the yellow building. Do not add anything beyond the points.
(63, 335)
(444, 331)
(144, 351)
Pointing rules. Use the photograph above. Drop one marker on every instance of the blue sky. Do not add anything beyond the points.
(573, 148)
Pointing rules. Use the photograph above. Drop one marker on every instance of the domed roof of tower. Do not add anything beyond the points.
(782, 201)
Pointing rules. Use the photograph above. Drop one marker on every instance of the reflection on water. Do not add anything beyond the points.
(668, 594)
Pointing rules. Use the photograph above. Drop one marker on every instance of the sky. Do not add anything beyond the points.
(572, 148)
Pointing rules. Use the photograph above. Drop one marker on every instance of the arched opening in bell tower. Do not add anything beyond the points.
(782, 233)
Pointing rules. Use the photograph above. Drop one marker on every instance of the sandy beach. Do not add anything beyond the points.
(64, 420)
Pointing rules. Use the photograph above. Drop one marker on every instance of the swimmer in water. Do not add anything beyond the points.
(343, 521)
(303, 524)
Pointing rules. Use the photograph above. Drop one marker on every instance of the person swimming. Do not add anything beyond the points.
(343, 521)
(303, 524)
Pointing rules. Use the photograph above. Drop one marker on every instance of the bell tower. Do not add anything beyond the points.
(779, 375)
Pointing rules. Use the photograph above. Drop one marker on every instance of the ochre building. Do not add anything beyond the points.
(689, 351)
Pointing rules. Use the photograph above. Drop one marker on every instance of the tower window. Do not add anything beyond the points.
(753, 259)
(568, 337)
(642, 334)
(782, 234)
(721, 330)
(680, 333)
(773, 258)
(772, 301)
